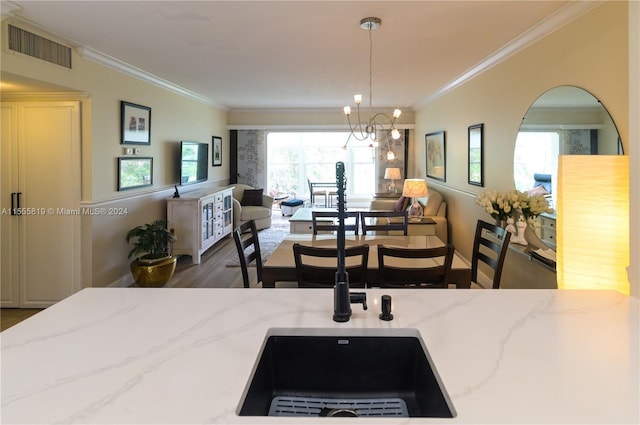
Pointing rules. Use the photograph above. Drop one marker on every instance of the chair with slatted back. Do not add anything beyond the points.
(246, 236)
(330, 222)
(414, 267)
(384, 221)
(489, 247)
(313, 274)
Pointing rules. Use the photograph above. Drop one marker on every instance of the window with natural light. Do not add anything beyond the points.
(535, 152)
(294, 157)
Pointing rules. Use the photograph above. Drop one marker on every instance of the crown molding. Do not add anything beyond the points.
(43, 96)
(563, 16)
(8, 8)
(304, 127)
(125, 68)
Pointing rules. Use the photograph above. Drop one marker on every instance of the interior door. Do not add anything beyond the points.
(46, 262)
(9, 292)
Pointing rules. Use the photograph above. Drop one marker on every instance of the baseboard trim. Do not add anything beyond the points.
(124, 282)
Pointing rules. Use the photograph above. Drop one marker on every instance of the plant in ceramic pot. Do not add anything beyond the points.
(154, 265)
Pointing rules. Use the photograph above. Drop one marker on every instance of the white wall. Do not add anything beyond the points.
(174, 117)
(591, 52)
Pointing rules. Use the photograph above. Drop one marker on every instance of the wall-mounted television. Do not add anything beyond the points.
(194, 162)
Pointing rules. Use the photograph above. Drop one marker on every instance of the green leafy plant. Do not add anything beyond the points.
(150, 241)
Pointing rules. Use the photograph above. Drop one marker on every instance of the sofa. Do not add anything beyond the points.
(254, 206)
(434, 207)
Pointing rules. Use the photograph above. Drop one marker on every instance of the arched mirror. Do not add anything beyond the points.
(562, 121)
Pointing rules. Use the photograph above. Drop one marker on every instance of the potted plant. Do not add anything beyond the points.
(154, 265)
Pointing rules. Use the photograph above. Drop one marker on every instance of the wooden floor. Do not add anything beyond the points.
(212, 272)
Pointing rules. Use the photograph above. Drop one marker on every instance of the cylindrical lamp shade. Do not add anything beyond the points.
(593, 222)
(415, 188)
(392, 174)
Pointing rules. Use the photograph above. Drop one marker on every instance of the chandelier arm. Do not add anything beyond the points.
(362, 132)
(355, 129)
(392, 120)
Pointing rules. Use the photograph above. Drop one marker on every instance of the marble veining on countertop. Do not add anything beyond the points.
(141, 355)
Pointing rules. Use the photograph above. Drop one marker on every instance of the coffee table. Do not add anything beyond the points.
(301, 221)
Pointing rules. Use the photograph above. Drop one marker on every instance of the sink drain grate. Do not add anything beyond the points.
(315, 406)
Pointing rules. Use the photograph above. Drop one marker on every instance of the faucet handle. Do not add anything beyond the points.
(358, 298)
(386, 308)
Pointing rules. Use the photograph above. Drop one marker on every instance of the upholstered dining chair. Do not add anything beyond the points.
(384, 221)
(402, 268)
(352, 221)
(489, 247)
(313, 275)
(246, 236)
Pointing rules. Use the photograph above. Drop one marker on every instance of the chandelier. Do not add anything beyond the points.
(368, 130)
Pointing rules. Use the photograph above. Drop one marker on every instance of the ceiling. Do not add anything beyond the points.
(294, 54)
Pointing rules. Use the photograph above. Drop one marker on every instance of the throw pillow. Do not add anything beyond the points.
(401, 204)
(251, 197)
(432, 204)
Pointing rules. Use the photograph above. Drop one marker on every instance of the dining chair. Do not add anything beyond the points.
(332, 225)
(313, 192)
(384, 221)
(495, 239)
(246, 236)
(402, 268)
(312, 275)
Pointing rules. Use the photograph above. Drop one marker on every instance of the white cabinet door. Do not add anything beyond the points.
(46, 173)
(8, 230)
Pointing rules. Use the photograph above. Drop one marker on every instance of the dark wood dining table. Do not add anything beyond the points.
(280, 266)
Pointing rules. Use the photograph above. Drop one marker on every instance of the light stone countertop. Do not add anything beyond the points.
(141, 355)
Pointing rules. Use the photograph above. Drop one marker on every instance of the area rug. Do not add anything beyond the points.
(269, 240)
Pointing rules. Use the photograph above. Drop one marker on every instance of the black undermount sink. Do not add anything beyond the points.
(345, 372)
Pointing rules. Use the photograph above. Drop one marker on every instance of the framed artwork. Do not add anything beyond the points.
(134, 172)
(476, 155)
(216, 151)
(135, 121)
(436, 155)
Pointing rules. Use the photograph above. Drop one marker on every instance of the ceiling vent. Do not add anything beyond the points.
(39, 47)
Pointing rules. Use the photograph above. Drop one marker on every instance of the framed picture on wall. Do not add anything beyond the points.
(134, 172)
(135, 121)
(216, 150)
(476, 155)
(436, 155)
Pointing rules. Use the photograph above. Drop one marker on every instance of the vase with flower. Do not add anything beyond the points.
(499, 205)
(533, 206)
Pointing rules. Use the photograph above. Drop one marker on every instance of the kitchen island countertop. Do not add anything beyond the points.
(142, 355)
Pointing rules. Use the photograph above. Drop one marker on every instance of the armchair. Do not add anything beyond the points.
(434, 207)
(261, 214)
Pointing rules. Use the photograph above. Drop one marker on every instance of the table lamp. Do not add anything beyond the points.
(415, 188)
(392, 174)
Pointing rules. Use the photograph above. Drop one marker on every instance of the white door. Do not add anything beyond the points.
(8, 228)
(45, 188)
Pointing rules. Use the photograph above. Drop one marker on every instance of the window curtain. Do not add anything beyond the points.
(399, 149)
(252, 158)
